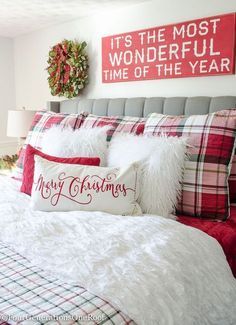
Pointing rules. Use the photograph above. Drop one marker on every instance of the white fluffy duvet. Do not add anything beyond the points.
(155, 270)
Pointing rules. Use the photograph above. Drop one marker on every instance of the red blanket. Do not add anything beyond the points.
(223, 232)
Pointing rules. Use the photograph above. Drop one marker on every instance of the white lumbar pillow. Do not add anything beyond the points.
(64, 187)
(162, 161)
(66, 142)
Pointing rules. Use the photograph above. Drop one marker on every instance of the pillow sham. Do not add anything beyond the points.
(66, 142)
(63, 187)
(162, 162)
(28, 173)
(43, 121)
(118, 124)
(205, 184)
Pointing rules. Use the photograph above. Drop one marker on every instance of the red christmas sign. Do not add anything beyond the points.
(202, 47)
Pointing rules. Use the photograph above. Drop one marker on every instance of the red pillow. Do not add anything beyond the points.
(28, 172)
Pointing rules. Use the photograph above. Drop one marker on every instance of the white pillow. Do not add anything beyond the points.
(64, 187)
(66, 142)
(162, 164)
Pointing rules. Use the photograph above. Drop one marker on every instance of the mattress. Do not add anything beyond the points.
(223, 232)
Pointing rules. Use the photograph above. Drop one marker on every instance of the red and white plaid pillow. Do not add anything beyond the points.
(43, 121)
(205, 183)
(125, 124)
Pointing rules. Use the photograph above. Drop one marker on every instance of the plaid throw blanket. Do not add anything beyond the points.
(30, 296)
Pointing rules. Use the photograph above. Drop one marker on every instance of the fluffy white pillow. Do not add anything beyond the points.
(64, 187)
(66, 142)
(162, 162)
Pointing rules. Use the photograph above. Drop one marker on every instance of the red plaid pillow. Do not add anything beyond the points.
(43, 121)
(126, 124)
(205, 182)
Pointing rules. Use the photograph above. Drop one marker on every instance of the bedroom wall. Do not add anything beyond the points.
(31, 52)
(7, 93)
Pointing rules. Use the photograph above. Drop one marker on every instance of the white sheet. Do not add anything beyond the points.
(155, 270)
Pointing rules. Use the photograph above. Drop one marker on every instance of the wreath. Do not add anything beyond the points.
(67, 68)
(8, 162)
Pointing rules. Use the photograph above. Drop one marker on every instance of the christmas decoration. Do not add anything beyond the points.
(67, 68)
(8, 162)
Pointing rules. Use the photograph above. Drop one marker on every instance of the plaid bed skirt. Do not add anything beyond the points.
(28, 295)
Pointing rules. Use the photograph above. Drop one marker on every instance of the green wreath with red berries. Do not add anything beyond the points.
(67, 68)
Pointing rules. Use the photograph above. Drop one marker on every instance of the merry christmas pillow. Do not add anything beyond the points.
(64, 187)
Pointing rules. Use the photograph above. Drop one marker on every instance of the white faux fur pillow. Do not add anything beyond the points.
(162, 163)
(67, 142)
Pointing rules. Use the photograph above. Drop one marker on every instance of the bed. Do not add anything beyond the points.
(112, 281)
(225, 233)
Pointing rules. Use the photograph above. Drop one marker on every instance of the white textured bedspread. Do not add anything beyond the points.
(155, 270)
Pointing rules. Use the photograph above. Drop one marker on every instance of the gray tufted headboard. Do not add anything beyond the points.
(141, 106)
